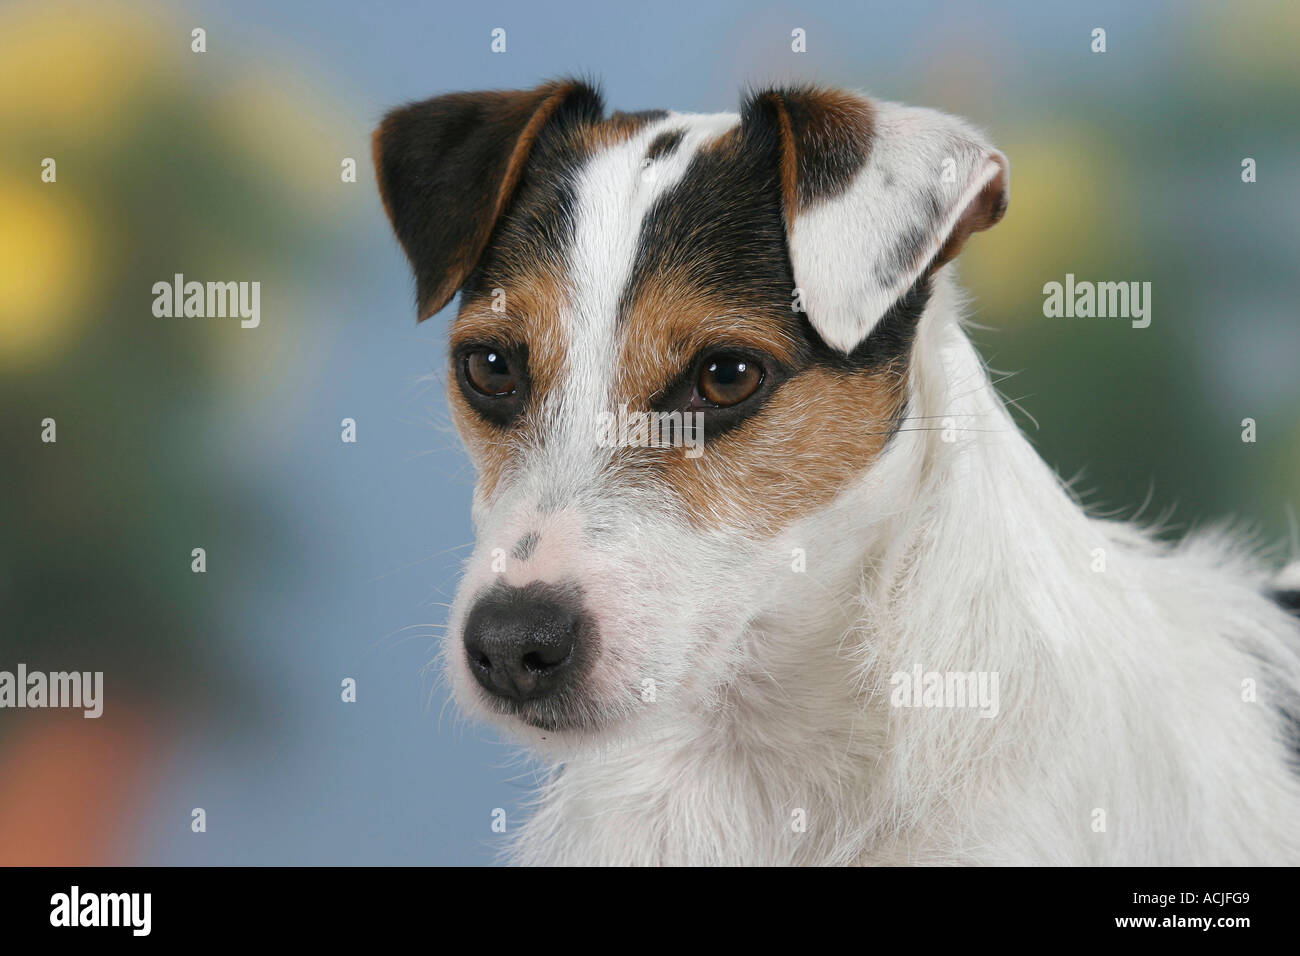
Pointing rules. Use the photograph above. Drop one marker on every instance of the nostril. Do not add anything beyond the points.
(481, 659)
(544, 662)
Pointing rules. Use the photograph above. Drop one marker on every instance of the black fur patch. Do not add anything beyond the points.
(905, 254)
(525, 546)
(1290, 600)
(720, 228)
(664, 144)
(537, 226)
(832, 139)
(890, 340)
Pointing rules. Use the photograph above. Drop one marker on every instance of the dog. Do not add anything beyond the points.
(766, 653)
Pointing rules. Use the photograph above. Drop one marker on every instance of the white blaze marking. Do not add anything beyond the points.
(612, 200)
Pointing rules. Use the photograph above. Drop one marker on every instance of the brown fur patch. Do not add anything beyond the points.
(818, 433)
(985, 211)
(819, 430)
(789, 161)
(489, 454)
(618, 128)
(670, 321)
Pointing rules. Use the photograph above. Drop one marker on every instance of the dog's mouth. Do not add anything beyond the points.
(548, 724)
(548, 716)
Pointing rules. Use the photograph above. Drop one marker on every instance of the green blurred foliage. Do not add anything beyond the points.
(162, 168)
(1135, 175)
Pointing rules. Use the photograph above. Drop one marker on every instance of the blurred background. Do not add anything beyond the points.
(328, 560)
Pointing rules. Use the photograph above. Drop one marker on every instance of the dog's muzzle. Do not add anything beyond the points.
(527, 643)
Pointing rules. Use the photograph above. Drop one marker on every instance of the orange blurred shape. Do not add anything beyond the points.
(70, 787)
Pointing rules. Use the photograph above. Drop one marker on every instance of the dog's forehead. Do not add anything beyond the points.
(616, 189)
(607, 210)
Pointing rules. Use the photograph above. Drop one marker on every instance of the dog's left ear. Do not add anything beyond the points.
(876, 197)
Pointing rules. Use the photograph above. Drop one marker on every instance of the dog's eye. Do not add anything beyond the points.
(729, 379)
(489, 372)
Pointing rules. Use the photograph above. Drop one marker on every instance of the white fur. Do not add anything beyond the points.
(1121, 690)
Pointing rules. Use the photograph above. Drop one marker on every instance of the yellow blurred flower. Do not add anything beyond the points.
(45, 269)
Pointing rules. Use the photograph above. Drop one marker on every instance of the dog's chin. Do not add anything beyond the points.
(545, 719)
(549, 725)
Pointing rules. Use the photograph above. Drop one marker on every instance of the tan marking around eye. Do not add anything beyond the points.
(531, 318)
(668, 324)
(819, 431)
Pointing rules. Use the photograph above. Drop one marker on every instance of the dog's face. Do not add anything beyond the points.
(680, 338)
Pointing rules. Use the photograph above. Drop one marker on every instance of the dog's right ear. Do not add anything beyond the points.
(448, 166)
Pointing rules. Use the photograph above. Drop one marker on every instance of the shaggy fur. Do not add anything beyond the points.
(738, 707)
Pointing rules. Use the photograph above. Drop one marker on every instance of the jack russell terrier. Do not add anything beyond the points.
(816, 600)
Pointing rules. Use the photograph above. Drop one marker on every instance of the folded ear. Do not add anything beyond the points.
(448, 166)
(876, 197)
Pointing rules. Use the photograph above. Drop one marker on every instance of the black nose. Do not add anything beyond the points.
(523, 643)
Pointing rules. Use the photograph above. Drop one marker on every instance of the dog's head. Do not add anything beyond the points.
(680, 339)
